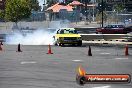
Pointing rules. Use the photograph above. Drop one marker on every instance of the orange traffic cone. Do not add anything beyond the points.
(89, 51)
(1, 43)
(0, 47)
(19, 48)
(126, 50)
(49, 50)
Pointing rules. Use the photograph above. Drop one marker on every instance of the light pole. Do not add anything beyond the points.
(102, 13)
(86, 11)
(93, 9)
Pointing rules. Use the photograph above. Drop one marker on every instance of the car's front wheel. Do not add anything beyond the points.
(79, 43)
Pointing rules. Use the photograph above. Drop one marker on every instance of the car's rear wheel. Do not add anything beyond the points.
(99, 33)
(57, 43)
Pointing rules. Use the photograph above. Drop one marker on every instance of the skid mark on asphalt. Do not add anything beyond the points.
(121, 58)
(103, 86)
(104, 53)
(28, 62)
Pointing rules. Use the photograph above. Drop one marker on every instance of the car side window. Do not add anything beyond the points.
(70, 31)
(75, 32)
(58, 31)
(109, 26)
(62, 32)
(106, 27)
(66, 31)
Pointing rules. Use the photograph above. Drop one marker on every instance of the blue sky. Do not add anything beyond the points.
(41, 2)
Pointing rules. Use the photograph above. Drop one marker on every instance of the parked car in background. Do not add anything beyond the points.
(111, 29)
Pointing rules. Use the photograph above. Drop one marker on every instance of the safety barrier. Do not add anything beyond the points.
(98, 37)
(106, 37)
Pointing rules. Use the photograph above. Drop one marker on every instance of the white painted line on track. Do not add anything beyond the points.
(103, 86)
(28, 62)
(121, 58)
(96, 50)
(105, 53)
(77, 60)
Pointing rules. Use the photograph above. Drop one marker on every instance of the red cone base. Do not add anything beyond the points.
(49, 50)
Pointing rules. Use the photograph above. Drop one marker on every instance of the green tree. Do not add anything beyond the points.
(35, 5)
(119, 7)
(2, 14)
(17, 10)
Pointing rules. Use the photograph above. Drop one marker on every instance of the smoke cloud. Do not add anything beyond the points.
(40, 36)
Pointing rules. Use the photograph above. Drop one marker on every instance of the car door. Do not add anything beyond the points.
(108, 29)
(119, 29)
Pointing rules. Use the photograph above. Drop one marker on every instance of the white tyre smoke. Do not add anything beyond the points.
(38, 37)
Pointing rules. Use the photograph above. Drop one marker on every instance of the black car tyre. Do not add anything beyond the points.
(57, 43)
(96, 32)
(79, 43)
(99, 33)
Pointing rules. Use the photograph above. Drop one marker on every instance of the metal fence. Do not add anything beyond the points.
(37, 16)
(119, 18)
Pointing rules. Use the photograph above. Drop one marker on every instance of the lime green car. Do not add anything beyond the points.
(67, 36)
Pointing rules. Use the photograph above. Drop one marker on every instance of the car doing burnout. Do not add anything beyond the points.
(112, 29)
(67, 36)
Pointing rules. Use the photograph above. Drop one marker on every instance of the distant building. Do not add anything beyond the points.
(2, 4)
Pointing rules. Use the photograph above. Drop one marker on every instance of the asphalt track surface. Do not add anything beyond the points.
(33, 68)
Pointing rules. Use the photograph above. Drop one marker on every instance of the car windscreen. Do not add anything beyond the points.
(70, 31)
(115, 26)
